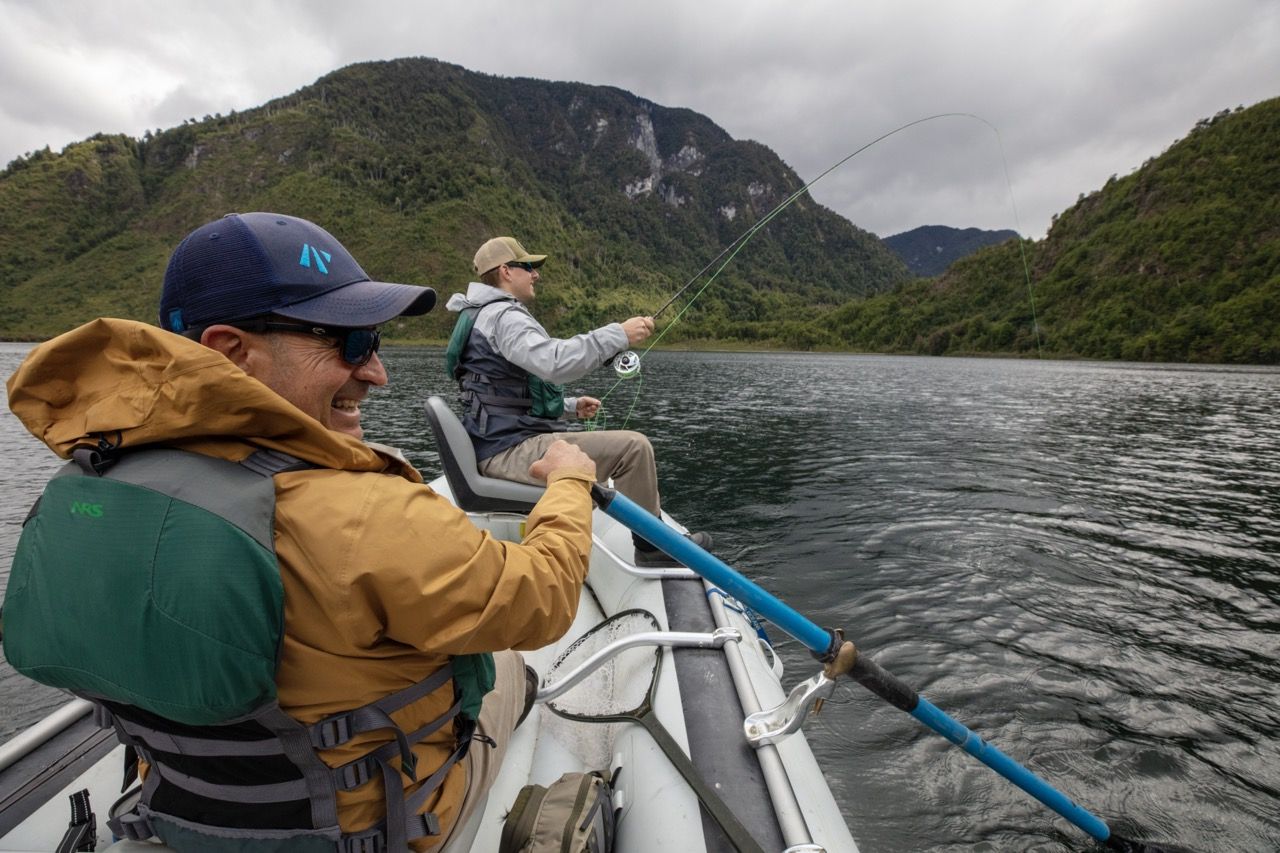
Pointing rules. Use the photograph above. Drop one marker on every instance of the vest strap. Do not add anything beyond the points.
(203, 747)
(403, 822)
(279, 792)
(91, 461)
(268, 463)
(340, 728)
(131, 825)
(337, 729)
(355, 773)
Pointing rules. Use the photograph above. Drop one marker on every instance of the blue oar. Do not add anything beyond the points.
(825, 643)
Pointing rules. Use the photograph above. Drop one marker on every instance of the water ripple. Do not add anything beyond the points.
(1080, 562)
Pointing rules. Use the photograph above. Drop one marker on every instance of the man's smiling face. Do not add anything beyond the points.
(309, 372)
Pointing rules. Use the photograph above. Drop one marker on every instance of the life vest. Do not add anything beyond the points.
(502, 403)
(182, 545)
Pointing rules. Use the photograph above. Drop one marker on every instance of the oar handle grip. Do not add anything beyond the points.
(884, 684)
(602, 495)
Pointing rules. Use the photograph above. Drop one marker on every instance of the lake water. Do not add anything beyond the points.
(1079, 561)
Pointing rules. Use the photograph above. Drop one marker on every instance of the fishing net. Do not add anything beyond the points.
(608, 692)
(619, 688)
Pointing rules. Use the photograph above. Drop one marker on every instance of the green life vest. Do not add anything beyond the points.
(149, 584)
(208, 594)
(171, 602)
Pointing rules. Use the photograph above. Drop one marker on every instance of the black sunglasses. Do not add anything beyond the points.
(527, 267)
(357, 346)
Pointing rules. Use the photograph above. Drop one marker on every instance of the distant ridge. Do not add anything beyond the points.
(930, 249)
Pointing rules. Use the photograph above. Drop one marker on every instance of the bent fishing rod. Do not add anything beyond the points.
(627, 364)
(746, 236)
(843, 658)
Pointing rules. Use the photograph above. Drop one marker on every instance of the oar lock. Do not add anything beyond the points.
(773, 725)
(843, 662)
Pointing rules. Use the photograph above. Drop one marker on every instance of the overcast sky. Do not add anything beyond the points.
(1078, 90)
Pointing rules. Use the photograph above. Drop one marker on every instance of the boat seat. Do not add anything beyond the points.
(472, 491)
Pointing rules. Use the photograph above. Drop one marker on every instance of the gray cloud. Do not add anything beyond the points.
(1078, 91)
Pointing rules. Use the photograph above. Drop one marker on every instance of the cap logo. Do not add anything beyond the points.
(311, 254)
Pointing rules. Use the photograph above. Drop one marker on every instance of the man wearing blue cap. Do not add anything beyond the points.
(284, 621)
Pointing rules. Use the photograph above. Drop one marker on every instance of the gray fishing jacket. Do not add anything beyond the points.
(506, 353)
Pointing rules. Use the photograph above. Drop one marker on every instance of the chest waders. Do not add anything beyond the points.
(503, 402)
(182, 545)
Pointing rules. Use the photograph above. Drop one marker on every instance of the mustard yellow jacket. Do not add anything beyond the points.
(383, 578)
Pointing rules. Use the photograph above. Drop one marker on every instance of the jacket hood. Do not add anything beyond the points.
(134, 384)
(478, 294)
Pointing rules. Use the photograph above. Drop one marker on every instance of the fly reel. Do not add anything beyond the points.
(627, 365)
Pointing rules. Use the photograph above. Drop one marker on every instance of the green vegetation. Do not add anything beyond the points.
(413, 163)
(1179, 261)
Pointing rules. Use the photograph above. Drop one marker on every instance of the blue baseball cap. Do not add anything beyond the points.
(247, 265)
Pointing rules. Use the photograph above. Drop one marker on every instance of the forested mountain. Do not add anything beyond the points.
(412, 164)
(930, 249)
(1178, 261)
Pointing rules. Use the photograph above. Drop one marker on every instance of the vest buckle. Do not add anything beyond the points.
(332, 732)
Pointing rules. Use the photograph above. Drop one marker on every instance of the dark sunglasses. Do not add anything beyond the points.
(357, 346)
(527, 267)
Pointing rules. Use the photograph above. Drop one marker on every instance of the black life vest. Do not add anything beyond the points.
(502, 403)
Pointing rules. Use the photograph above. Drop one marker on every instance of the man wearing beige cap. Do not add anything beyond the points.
(509, 371)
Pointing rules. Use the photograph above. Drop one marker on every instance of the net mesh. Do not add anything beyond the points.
(620, 685)
(616, 687)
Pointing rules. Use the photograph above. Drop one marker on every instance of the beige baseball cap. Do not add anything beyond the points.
(504, 250)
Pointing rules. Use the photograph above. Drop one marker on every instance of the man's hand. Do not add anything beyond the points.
(587, 407)
(560, 455)
(637, 329)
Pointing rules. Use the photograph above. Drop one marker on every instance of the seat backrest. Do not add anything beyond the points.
(473, 491)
